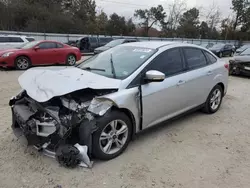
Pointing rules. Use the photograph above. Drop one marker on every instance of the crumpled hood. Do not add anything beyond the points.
(42, 84)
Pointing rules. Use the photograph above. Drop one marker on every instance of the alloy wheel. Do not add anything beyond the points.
(71, 60)
(22, 63)
(113, 137)
(215, 99)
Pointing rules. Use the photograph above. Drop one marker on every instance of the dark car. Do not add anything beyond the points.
(222, 50)
(113, 44)
(88, 44)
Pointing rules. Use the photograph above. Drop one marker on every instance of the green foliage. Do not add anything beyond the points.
(189, 24)
(150, 17)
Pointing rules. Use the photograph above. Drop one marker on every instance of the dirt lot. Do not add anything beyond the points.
(203, 151)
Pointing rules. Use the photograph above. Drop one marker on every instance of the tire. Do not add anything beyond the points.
(71, 60)
(208, 106)
(22, 63)
(232, 54)
(104, 126)
(220, 55)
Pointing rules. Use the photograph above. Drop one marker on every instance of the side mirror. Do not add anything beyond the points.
(154, 76)
(36, 48)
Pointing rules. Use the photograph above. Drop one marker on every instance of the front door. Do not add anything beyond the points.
(166, 99)
(46, 54)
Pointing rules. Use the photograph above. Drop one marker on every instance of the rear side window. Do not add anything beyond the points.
(30, 39)
(48, 45)
(16, 39)
(92, 40)
(59, 45)
(168, 62)
(4, 39)
(195, 58)
(211, 59)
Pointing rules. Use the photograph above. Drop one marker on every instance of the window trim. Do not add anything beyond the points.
(144, 70)
(185, 59)
(47, 48)
(208, 59)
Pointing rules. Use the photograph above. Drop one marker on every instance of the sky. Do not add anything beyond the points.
(127, 7)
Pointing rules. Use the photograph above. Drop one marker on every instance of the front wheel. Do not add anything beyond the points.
(214, 100)
(113, 135)
(22, 63)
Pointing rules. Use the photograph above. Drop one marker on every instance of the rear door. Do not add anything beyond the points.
(15, 42)
(61, 53)
(198, 78)
(46, 54)
(93, 43)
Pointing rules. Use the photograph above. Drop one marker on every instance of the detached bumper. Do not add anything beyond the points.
(52, 146)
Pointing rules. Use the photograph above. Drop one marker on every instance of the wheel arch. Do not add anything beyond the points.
(23, 55)
(130, 116)
(222, 86)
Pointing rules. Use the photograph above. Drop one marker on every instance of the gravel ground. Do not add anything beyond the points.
(203, 151)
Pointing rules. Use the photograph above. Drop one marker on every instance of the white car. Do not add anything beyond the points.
(13, 41)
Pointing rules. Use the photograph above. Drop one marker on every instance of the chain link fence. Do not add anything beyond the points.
(64, 38)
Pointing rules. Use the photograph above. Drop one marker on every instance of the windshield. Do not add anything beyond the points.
(28, 45)
(123, 60)
(243, 47)
(245, 52)
(115, 42)
(217, 46)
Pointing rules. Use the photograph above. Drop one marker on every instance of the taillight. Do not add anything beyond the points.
(226, 66)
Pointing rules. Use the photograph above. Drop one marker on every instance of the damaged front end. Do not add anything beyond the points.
(61, 127)
(237, 67)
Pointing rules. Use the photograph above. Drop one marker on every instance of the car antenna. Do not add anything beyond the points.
(112, 65)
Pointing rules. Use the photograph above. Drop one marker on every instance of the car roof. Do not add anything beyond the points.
(158, 44)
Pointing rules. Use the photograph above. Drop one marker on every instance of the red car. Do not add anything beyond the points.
(39, 53)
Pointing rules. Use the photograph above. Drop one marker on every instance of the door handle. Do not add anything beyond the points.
(181, 82)
(209, 73)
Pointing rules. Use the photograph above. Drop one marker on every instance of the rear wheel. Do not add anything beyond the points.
(214, 100)
(71, 60)
(22, 63)
(220, 55)
(112, 136)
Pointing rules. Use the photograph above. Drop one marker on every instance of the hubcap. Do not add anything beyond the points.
(215, 99)
(71, 60)
(22, 63)
(113, 137)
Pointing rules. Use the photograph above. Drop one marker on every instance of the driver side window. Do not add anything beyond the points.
(169, 62)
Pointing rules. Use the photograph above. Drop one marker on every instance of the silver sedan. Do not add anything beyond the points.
(107, 99)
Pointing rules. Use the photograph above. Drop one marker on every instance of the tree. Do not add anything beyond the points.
(238, 7)
(213, 19)
(150, 17)
(204, 30)
(130, 27)
(101, 23)
(175, 11)
(116, 25)
(189, 24)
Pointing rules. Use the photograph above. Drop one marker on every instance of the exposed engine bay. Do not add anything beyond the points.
(62, 126)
